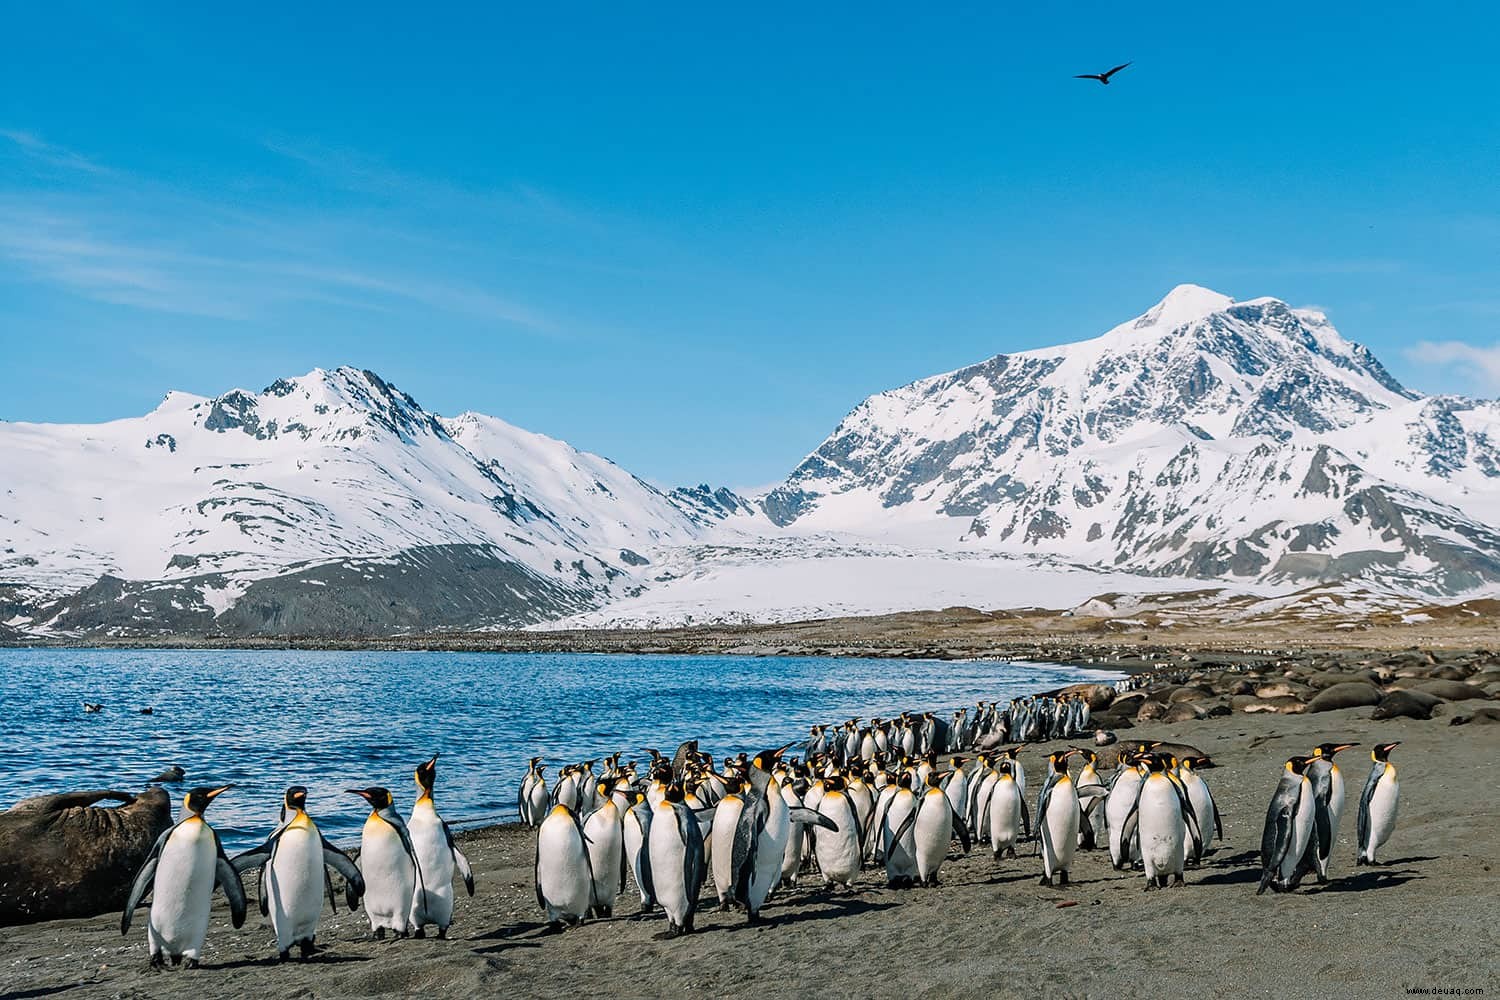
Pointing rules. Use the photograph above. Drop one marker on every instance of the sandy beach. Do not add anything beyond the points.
(1426, 919)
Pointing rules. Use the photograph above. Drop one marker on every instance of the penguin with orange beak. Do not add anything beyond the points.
(388, 862)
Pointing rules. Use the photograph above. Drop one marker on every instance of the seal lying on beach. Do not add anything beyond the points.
(63, 856)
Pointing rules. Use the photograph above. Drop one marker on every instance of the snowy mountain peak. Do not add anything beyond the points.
(1182, 305)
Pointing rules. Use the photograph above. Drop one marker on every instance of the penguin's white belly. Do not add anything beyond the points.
(294, 886)
(770, 849)
(1383, 806)
(536, 802)
(934, 832)
(900, 855)
(1203, 808)
(1161, 829)
(1116, 808)
(726, 820)
(432, 897)
(1004, 817)
(669, 865)
(839, 854)
(1302, 828)
(183, 892)
(389, 877)
(958, 792)
(562, 867)
(1061, 838)
(606, 848)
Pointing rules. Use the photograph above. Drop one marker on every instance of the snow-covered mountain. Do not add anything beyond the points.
(1207, 441)
(326, 503)
(1208, 438)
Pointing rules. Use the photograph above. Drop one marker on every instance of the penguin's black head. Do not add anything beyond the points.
(766, 759)
(1382, 751)
(1329, 749)
(295, 798)
(379, 798)
(1297, 764)
(198, 799)
(426, 775)
(661, 772)
(834, 783)
(606, 787)
(1156, 763)
(675, 792)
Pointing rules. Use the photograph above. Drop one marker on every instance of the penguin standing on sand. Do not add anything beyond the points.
(1205, 809)
(839, 853)
(1164, 821)
(293, 863)
(1328, 799)
(1008, 820)
(388, 862)
(1091, 828)
(1377, 805)
(437, 858)
(677, 863)
(1117, 805)
(935, 823)
(1057, 817)
(761, 834)
(726, 824)
(1289, 827)
(636, 831)
(564, 880)
(186, 864)
(897, 837)
(605, 832)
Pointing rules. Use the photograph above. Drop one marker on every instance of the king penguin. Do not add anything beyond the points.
(1164, 821)
(605, 832)
(564, 880)
(388, 862)
(1009, 822)
(1289, 826)
(1377, 804)
(1057, 816)
(532, 800)
(636, 825)
(760, 837)
(840, 853)
(437, 858)
(677, 863)
(186, 864)
(1328, 799)
(292, 862)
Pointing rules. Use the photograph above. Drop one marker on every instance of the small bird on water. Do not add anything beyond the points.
(1101, 77)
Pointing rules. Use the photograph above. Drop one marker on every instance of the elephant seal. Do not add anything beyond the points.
(1451, 690)
(1406, 705)
(63, 856)
(1349, 694)
(1131, 747)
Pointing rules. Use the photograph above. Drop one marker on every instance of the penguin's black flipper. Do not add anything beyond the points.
(333, 903)
(391, 816)
(461, 862)
(354, 882)
(1218, 820)
(802, 814)
(962, 829)
(1362, 822)
(1025, 819)
(1190, 818)
(746, 834)
(143, 880)
(229, 880)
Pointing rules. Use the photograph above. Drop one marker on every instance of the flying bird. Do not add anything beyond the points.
(1101, 77)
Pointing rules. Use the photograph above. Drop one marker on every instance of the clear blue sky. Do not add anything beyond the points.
(691, 237)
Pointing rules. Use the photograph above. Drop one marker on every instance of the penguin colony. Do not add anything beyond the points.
(404, 875)
(891, 797)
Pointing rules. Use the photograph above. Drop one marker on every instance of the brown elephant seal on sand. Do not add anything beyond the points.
(1127, 748)
(63, 856)
(1406, 705)
(1350, 694)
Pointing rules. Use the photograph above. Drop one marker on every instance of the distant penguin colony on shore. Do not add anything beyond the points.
(894, 797)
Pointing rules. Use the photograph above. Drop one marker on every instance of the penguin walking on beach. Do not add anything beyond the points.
(765, 823)
(725, 828)
(564, 880)
(1377, 805)
(1328, 801)
(388, 862)
(1165, 823)
(604, 830)
(1289, 827)
(186, 864)
(437, 858)
(532, 800)
(677, 862)
(293, 863)
(1117, 805)
(898, 842)
(1057, 818)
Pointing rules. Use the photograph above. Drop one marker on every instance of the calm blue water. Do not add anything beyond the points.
(334, 720)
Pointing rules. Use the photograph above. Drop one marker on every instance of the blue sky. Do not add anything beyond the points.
(691, 237)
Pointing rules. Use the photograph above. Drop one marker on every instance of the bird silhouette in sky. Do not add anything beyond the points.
(1101, 77)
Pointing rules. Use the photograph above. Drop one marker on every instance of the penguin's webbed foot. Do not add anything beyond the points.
(442, 933)
(380, 934)
(420, 933)
(1063, 878)
(1045, 880)
(285, 955)
(191, 963)
(158, 962)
